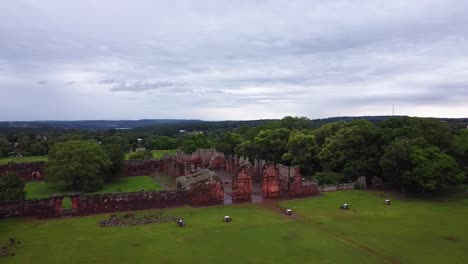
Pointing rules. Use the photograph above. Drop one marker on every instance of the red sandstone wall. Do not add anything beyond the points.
(207, 194)
(140, 167)
(271, 182)
(40, 207)
(242, 184)
(104, 203)
(301, 187)
(26, 171)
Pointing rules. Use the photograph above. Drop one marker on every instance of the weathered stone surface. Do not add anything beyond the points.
(361, 183)
(40, 208)
(141, 167)
(337, 187)
(242, 183)
(271, 182)
(117, 202)
(299, 186)
(204, 187)
(33, 171)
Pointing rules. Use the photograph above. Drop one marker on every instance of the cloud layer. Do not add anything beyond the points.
(218, 60)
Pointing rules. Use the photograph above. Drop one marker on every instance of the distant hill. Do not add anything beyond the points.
(94, 124)
(171, 126)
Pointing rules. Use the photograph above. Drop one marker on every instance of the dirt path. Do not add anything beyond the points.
(274, 205)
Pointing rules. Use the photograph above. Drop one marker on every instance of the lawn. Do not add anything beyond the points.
(25, 159)
(35, 190)
(157, 154)
(408, 231)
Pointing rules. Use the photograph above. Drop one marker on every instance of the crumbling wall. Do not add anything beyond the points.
(33, 171)
(337, 187)
(271, 183)
(204, 187)
(209, 193)
(140, 167)
(39, 207)
(116, 202)
(242, 183)
(301, 187)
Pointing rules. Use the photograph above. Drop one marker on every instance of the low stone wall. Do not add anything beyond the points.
(33, 171)
(337, 187)
(39, 208)
(105, 203)
(140, 167)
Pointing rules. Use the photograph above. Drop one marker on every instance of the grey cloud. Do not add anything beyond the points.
(140, 86)
(233, 60)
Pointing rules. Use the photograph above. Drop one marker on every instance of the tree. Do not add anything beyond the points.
(460, 149)
(301, 151)
(141, 155)
(194, 142)
(354, 151)
(271, 144)
(434, 131)
(228, 143)
(116, 154)
(118, 140)
(247, 149)
(419, 166)
(160, 142)
(77, 165)
(4, 147)
(293, 123)
(11, 188)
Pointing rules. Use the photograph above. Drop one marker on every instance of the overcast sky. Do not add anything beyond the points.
(220, 60)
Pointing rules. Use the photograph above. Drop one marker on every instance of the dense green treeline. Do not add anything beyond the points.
(419, 154)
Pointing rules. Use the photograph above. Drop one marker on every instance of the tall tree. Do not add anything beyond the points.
(77, 165)
(301, 151)
(116, 154)
(417, 165)
(271, 144)
(353, 150)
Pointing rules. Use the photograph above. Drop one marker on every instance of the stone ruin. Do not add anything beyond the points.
(198, 183)
(204, 187)
(131, 220)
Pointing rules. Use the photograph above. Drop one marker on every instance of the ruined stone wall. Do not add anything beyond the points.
(40, 208)
(140, 167)
(33, 171)
(117, 202)
(209, 193)
(257, 170)
(337, 187)
(271, 182)
(183, 164)
(242, 183)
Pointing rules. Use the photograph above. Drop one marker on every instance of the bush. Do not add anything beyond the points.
(11, 188)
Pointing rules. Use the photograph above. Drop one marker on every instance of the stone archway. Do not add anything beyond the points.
(66, 205)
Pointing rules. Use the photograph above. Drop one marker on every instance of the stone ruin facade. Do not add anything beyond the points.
(204, 187)
(197, 180)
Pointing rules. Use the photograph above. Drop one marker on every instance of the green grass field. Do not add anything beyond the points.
(35, 190)
(24, 159)
(408, 231)
(157, 154)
